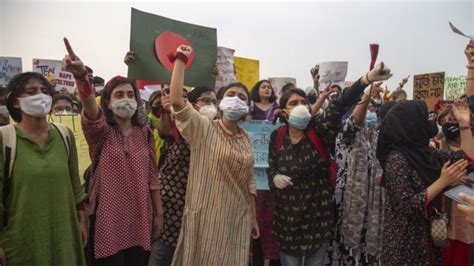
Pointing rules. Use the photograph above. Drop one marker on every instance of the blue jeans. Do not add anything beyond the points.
(314, 259)
(161, 254)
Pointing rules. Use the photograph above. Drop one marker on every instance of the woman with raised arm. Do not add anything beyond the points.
(124, 198)
(219, 213)
(299, 171)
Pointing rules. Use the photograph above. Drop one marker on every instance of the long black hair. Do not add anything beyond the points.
(255, 95)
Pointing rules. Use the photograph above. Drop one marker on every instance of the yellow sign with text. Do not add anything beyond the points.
(247, 71)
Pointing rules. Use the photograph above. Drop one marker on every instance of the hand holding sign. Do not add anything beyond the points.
(72, 63)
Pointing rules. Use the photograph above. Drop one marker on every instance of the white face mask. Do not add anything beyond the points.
(38, 105)
(4, 111)
(233, 108)
(125, 108)
(209, 111)
(233, 103)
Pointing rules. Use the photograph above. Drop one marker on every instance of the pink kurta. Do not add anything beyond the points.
(119, 194)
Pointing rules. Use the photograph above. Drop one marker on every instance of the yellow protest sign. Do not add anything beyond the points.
(247, 71)
(73, 122)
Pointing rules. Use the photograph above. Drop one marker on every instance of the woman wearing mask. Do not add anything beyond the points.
(219, 212)
(358, 194)
(299, 172)
(414, 176)
(123, 194)
(41, 207)
(460, 232)
(174, 172)
(264, 248)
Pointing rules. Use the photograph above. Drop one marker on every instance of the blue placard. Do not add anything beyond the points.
(259, 132)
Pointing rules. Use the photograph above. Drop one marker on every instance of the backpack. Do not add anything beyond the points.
(317, 144)
(9, 154)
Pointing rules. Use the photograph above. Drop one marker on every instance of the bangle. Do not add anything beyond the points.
(470, 78)
(465, 128)
(367, 79)
(470, 66)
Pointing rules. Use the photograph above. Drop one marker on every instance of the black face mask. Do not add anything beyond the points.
(312, 98)
(432, 129)
(451, 130)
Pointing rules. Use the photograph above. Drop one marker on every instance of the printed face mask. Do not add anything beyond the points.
(125, 108)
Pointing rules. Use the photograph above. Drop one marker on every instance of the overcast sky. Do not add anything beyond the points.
(288, 38)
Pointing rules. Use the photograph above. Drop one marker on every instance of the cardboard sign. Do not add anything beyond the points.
(429, 88)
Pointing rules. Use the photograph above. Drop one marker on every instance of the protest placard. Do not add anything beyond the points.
(259, 132)
(454, 87)
(51, 69)
(279, 83)
(247, 71)
(332, 73)
(225, 67)
(429, 88)
(73, 122)
(9, 67)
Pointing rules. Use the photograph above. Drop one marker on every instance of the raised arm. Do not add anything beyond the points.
(315, 76)
(402, 83)
(351, 95)
(463, 115)
(470, 68)
(72, 63)
(177, 78)
(360, 111)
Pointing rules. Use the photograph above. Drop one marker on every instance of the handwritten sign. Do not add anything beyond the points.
(225, 67)
(279, 83)
(73, 122)
(9, 67)
(247, 71)
(429, 88)
(332, 72)
(51, 69)
(455, 87)
(259, 133)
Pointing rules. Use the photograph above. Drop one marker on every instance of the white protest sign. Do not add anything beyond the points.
(332, 72)
(225, 67)
(51, 69)
(279, 83)
(9, 67)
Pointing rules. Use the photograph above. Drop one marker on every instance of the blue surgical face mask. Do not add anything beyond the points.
(233, 115)
(371, 119)
(299, 122)
(299, 117)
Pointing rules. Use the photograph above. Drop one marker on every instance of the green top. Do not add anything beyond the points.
(43, 227)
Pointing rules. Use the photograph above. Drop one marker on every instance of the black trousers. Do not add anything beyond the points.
(134, 256)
